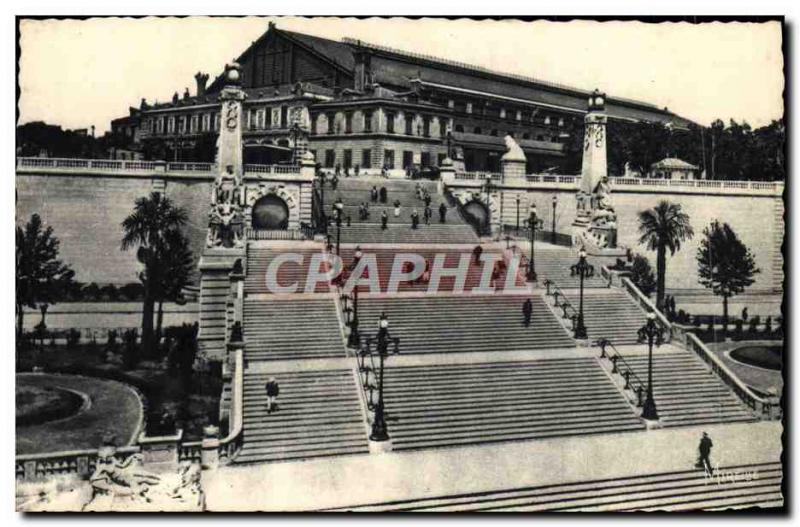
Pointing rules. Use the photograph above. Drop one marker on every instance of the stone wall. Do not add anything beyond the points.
(752, 217)
(86, 212)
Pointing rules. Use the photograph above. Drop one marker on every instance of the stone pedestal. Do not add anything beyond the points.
(513, 171)
(161, 449)
(447, 172)
(209, 448)
(380, 447)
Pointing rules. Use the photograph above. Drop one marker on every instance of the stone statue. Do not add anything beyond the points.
(113, 479)
(513, 150)
(225, 226)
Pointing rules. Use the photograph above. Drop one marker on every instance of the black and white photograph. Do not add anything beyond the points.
(436, 264)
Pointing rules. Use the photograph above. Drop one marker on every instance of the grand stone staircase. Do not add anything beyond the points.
(686, 490)
(460, 324)
(260, 255)
(385, 259)
(319, 415)
(286, 328)
(609, 313)
(404, 234)
(553, 263)
(448, 405)
(687, 393)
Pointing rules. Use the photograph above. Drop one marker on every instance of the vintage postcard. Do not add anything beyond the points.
(310, 264)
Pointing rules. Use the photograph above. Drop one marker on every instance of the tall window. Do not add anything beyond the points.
(366, 158)
(195, 123)
(368, 121)
(389, 123)
(408, 158)
(171, 124)
(426, 126)
(216, 121)
(330, 158)
(409, 124)
(331, 120)
(348, 158)
(206, 122)
(284, 121)
(348, 123)
(160, 125)
(388, 159)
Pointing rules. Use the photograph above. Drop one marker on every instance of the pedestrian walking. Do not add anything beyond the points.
(704, 449)
(414, 219)
(272, 394)
(357, 169)
(383, 195)
(338, 168)
(476, 253)
(527, 311)
(384, 220)
(373, 194)
(334, 182)
(396, 208)
(442, 213)
(427, 213)
(427, 199)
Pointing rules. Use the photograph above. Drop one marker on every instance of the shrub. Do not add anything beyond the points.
(91, 293)
(130, 349)
(754, 322)
(132, 291)
(642, 275)
(109, 293)
(73, 337)
(738, 334)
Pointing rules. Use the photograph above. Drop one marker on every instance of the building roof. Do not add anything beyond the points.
(673, 163)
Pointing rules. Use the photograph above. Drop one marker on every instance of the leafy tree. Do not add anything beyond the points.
(642, 275)
(150, 227)
(41, 277)
(725, 264)
(663, 227)
(178, 266)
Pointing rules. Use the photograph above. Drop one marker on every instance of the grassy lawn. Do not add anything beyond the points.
(194, 402)
(38, 404)
(114, 407)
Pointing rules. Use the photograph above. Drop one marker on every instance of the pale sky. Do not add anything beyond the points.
(79, 73)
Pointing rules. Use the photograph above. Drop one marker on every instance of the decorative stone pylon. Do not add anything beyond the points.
(513, 162)
(595, 225)
(226, 222)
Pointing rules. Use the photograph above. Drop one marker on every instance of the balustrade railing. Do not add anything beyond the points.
(765, 408)
(648, 306)
(289, 234)
(271, 169)
(190, 167)
(80, 462)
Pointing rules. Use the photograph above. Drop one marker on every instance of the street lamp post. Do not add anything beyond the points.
(338, 207)
(533, 223)
(651, 333)
(517, 230)
(379, 429)
(553, 234)
(583, 270)
(488, 186)
(354, 338)
(322, 179)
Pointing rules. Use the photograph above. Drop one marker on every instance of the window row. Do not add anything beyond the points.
(182, 124)
(345, 162)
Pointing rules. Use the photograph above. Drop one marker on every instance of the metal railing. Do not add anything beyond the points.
(765, 408)
(523, 234)
(621, 367)
(289, 234)
(568, 311)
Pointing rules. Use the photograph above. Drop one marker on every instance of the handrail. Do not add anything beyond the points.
(763, 407)
(565, 305)
(645, 302)
(231, 444)
(628, 372)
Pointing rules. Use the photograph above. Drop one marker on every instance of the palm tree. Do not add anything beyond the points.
(177, 266)
(40, 276)
(150, 227)
(663, 227)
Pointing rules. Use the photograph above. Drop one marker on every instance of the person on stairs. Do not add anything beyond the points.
(397, 208)
(334, 182)
(442, 213)
(272, 393)
(373, 194)
(384, 220)
(427, 199)
(704, 449)
(527, 311)
(414, 219)
(426, 214)
(476, 254)
(338, 169)
(383, 195)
